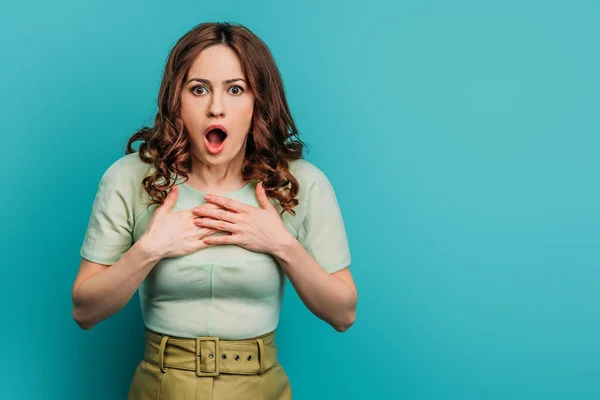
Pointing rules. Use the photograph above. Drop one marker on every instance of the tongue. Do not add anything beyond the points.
(214, 138)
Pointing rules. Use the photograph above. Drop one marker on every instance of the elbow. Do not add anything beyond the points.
(346, 323)
(80, 315)
(348, 318)
(83, 323)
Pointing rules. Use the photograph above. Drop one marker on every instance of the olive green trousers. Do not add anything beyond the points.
(207, 368)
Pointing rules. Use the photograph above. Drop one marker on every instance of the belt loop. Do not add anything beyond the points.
(161, 354)
(261, 355)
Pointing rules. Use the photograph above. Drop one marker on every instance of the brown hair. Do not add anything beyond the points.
(273, 139)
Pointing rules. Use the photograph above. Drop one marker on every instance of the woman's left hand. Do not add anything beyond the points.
(257, 229)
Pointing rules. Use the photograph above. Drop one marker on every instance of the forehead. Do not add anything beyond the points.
(217, 62)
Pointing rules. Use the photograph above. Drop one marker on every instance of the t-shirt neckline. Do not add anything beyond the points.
(193, 189)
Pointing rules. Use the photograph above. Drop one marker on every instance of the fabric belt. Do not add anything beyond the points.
(211, 356)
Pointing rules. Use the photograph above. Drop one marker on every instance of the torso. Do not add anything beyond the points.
(223, 290)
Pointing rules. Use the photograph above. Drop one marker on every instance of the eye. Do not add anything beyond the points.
(197, 87)
(237, 92)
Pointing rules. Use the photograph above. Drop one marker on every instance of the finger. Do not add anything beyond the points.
(208, 206)
(206, 231)
(227, 203)
(262, 197)
(219, 213)
(204, 206)
(227, 239)
(215, 224)
(170, 200)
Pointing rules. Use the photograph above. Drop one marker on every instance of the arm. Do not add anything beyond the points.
(100, 290)
(331, 297)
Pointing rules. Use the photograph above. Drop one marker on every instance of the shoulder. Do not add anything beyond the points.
(126, 172)
(123, 180)
(303, 166)
(307, 174)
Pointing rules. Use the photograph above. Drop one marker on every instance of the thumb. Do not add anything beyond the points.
(262, 197)
(170, 200)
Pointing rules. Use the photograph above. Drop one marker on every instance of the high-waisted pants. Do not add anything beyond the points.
(207, 368)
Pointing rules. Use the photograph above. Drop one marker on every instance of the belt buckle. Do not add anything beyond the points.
(217, 353)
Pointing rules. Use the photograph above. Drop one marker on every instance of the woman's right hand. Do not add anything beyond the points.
(173, 234)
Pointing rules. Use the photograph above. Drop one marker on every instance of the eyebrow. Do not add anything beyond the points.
(225, 82)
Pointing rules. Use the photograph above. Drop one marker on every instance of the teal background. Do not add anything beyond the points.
(462, 140)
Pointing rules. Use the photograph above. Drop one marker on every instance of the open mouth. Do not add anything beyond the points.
(215, 140)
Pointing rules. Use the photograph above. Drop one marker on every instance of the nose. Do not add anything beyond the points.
(216, 107)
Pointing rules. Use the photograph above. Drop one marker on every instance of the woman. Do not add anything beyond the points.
(211, 270)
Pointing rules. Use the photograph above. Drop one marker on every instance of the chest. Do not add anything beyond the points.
(216, 271)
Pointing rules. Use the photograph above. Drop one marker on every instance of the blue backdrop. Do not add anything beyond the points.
(462, 140)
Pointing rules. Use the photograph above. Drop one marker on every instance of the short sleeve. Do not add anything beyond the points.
(323, 233)
(109, 232)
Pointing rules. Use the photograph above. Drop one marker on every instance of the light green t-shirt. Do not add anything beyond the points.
(221, 290)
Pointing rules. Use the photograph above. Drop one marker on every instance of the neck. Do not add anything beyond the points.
(217, 178)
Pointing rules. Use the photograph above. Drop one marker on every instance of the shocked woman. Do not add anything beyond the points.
(208, 220)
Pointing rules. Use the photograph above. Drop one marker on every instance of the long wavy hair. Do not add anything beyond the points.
(273, 138)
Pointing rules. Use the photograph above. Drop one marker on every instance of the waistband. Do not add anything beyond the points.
(211, 356)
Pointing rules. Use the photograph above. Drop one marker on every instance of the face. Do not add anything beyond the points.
(216, 92)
